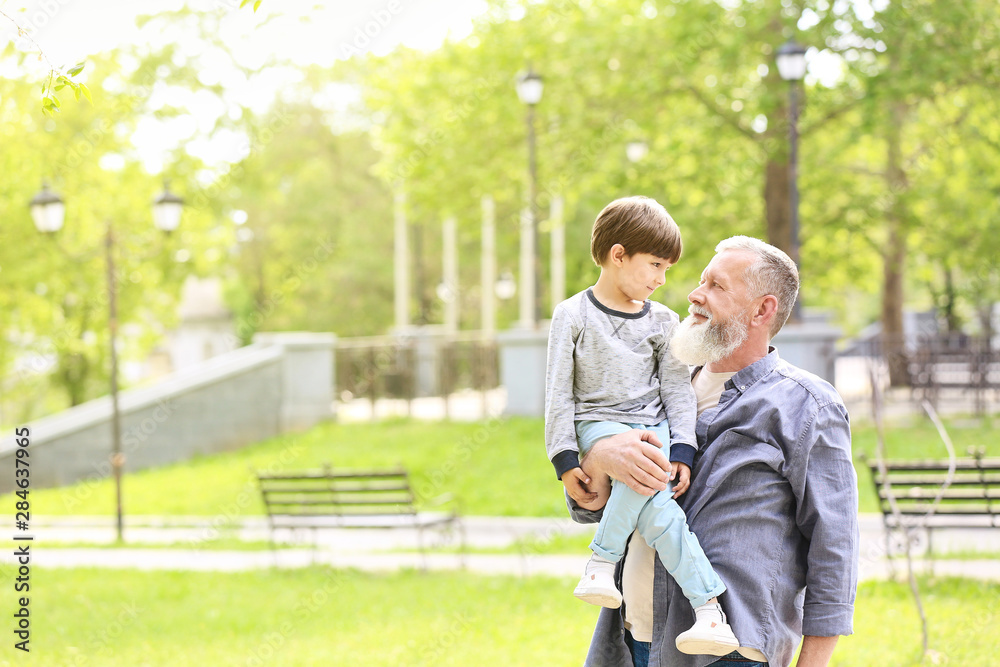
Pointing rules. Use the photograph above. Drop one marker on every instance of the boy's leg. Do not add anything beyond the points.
(597, 585)
(622, 509)
(663, 525)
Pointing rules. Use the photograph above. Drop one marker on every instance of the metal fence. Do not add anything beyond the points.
(955, 371)
(410, 367)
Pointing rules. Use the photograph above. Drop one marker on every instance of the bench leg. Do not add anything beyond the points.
(423, 549)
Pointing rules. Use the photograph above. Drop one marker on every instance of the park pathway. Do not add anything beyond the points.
(171, 543)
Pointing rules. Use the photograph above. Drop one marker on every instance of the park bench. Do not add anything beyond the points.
(321, 499)
(971, 500)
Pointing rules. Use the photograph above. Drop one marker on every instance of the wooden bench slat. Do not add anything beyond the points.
(938, 466)
(342, 488)
(897, 482)
(320, 475)
(958, 511)
(915, 494)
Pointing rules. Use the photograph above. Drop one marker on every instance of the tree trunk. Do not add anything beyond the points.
(777, 207)
(777, 194)
(952, 323)
(894, 254)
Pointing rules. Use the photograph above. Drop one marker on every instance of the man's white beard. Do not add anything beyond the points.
(710, 341)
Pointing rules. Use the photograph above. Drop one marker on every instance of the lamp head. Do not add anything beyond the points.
(47, 210)
(529, 88)
(167, 209)
(791, 59)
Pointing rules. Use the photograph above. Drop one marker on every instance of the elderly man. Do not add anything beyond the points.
(772, 495)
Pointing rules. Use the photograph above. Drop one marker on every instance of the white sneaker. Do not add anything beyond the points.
(710, 634)
(597, 585)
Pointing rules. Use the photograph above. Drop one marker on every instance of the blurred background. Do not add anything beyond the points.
(274, 235)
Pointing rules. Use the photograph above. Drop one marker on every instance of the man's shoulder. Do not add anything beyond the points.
(816, 388)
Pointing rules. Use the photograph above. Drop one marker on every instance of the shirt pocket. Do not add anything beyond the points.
(738, 461)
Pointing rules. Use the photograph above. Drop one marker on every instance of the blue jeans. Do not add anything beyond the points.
(640, 656)
(639, 650)
(659, 519)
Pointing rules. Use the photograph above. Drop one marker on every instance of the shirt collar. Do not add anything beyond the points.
(745, 377)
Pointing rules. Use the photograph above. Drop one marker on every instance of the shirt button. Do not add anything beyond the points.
(742, 387)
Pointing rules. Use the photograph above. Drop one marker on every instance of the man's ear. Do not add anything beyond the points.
(765, 312)
(617, 254)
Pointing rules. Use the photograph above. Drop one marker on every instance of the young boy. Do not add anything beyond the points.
(610, 370)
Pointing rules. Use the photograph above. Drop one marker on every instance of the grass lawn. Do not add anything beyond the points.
(319, 616)
(494, 468)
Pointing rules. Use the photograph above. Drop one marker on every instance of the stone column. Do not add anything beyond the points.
(522, 369)
(307, 376)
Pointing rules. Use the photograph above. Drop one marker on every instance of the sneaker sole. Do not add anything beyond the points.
(599, 598)
(706, 646)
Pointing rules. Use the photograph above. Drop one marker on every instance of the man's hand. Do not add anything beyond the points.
(576, 482)
(682, 479)
(634, 458)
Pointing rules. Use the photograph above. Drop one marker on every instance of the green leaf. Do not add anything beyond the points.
(86, 92)
(244, 3)
(256, 6)
(77, 68)
(60, 86)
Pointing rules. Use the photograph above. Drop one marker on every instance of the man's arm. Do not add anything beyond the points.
(816, 651)
(826, 489)
(634, 457)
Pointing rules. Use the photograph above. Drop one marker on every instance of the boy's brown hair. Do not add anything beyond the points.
(640, 225)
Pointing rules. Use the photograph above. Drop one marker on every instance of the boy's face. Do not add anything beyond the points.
(641, 274)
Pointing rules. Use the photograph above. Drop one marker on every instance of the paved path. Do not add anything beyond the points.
(383, 550)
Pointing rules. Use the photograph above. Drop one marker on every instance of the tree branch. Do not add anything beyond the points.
(830, 116)
(731, 119)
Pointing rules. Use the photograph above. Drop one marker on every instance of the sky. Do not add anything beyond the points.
(300, 31)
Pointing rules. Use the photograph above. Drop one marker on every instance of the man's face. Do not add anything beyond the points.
(719, 313)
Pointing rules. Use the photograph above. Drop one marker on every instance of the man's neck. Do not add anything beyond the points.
(746, 355)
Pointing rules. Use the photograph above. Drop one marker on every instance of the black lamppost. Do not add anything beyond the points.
(791, 60)
(529, 91)
(48, 212)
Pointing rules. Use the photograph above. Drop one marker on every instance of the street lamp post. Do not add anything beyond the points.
(791, 61)
(48, 212)
(529, 91)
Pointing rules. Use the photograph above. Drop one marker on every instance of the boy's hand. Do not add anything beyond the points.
(682, 478)
(576, 482)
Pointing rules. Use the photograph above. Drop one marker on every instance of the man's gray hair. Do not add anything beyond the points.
(773, 272)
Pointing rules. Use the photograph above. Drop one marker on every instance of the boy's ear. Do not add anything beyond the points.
(617, 254)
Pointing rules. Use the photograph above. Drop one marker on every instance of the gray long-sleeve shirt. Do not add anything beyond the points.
(774, 503)
(607, 365)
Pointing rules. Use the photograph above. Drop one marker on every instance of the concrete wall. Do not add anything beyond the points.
(282, 383)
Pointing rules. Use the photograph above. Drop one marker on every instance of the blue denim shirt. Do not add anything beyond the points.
(774, 503)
